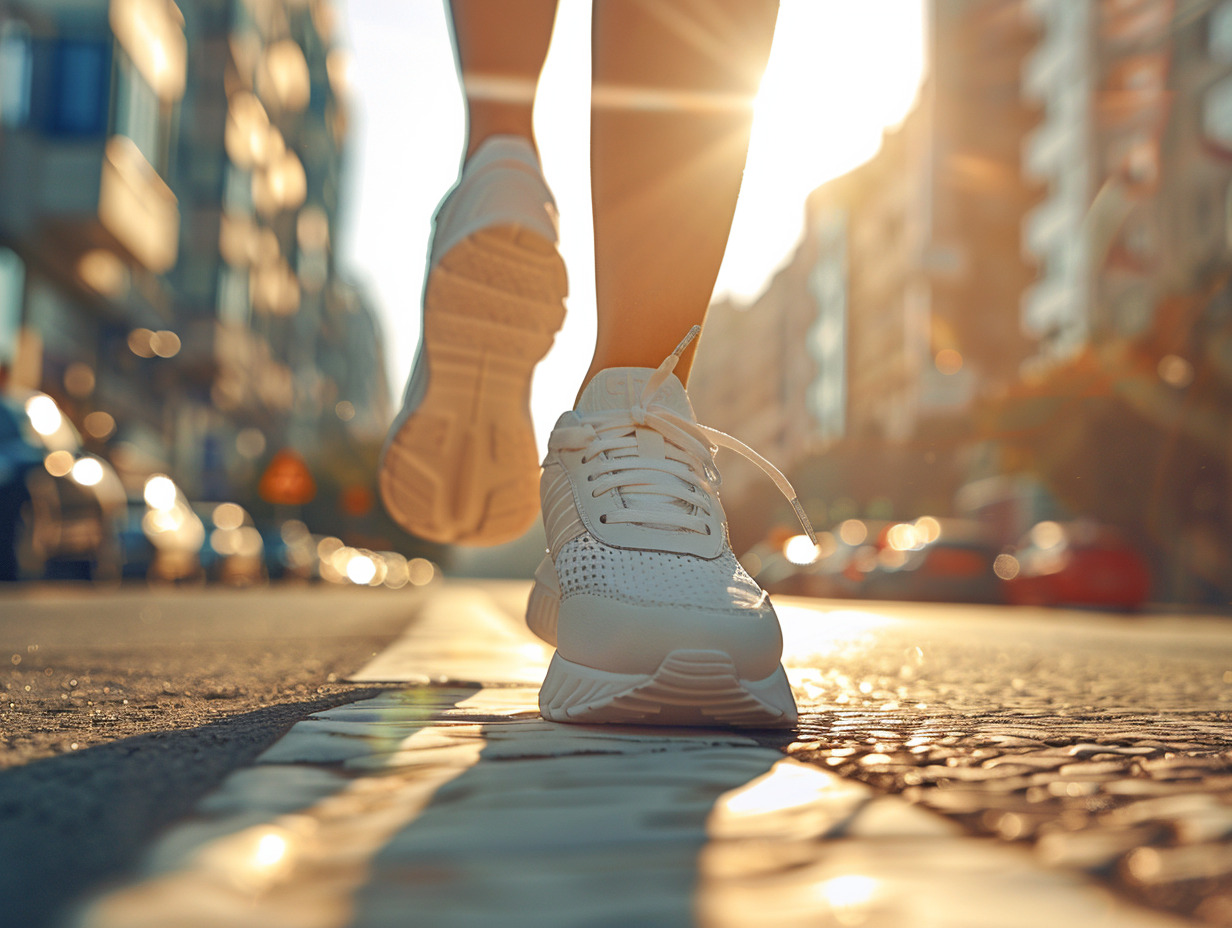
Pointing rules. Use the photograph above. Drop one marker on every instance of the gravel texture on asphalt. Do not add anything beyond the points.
(121, 709)
(1103, 742)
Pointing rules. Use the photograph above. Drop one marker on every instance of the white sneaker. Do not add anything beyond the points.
(653, 618)
(461, 464)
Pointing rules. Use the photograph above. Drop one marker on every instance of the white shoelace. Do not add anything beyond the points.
(660, 462)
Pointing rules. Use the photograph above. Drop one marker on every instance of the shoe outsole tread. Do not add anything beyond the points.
(463, 468)
(512, 260)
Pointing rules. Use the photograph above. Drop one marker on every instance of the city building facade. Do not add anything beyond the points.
(89, 224)
(170, 182)
(901, 302)
(1031, 282)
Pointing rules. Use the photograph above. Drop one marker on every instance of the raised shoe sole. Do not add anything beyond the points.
(462, 466)
(690, 687)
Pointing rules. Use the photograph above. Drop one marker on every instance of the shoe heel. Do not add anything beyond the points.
(543, 606)
(499, 196)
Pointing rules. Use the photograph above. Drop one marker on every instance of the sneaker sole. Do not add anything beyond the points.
(691, 687)
(463, 468)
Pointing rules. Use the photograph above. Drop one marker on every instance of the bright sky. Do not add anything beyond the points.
(840, 71)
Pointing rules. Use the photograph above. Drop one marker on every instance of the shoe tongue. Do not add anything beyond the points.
(620, 388)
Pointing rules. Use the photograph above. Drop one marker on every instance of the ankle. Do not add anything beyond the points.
(597, 366)
(490, 119)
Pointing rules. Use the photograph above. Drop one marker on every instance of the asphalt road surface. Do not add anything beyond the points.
(1103, 743)
(122, 708)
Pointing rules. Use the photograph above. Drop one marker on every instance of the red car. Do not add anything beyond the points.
(1075, 564)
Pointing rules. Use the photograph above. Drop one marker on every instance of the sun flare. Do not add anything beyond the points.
(839, 74)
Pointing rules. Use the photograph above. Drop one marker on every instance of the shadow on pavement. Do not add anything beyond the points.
(73, 821)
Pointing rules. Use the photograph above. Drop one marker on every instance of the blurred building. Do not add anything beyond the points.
(265, 312)
(89, 224)
(1132, 150)
(169, 198)
(902, 300)
(1134, 310)
(930, 233)
(1060, 77)
(1031, 282)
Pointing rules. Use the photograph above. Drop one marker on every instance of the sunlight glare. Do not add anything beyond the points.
(839, 74)
(270, 850)
(806, 641)
(786, 785)
(849, 895)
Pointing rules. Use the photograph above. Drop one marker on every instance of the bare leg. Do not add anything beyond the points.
(461, 465)
(670, 121)
(500, 47)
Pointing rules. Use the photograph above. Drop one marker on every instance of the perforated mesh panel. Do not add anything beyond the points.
(646, 578)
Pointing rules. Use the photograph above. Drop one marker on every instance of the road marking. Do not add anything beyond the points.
(453, 805)
(463, 633)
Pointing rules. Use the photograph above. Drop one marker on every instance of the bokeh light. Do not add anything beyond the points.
(800, 549)
(58, 463)
(160, 492)
(88, 472)
(45, 417)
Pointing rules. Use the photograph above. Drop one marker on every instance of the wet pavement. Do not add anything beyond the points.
(953, 767)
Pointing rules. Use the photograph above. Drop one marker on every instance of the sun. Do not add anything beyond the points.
(839, 74)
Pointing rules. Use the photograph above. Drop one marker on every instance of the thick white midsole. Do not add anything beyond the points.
(690, 687)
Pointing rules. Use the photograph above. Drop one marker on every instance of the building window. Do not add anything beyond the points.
(234, 301)
(12, 288)
(1217, 113)
(80, 86)
(1220, 26)
(16, 68)
(1227, 217)
(138, 111)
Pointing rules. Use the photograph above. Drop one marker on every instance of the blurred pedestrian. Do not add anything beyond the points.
(653, 617)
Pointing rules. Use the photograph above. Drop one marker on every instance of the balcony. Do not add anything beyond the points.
(137, 207)
(85, 136)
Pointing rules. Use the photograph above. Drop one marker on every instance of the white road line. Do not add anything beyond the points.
(458, 806)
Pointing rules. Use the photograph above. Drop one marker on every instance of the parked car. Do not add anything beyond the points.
(837, 567)
(290, 551)
(171, 539)
(137, 551)
(60, 506)
(932, 560)
(233, 551)
(1077, 564)
(174, 532)
(946, 570)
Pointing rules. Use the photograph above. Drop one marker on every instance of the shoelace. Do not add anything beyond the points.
(669, 488)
